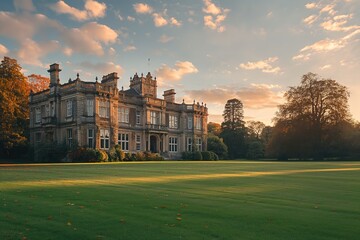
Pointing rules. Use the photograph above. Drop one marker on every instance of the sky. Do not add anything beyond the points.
(207, 50)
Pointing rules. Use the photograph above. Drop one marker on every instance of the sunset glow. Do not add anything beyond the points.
(208, 50)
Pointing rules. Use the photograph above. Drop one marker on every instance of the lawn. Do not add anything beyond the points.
(181, 200)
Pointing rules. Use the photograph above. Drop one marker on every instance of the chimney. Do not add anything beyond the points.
(54, 73)
(169, 95)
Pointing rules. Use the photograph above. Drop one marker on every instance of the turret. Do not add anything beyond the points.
(145, 86)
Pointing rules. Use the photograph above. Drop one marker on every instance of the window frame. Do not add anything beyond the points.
(69, 108)
(123, 141)
(173, 144)
(90, 130)
(104, 139)
(90, 107)
(69, 137)
(173, 121)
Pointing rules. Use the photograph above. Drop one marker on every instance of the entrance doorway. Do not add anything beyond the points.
(153, 144)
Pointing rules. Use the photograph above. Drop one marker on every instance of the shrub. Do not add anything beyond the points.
(149, 156)
(50, 152)
(206, 155)
(116, 154)
(140, 156)
(197, 155)
(82, 154)
(214, 156)
(128, 157)
(101, 155)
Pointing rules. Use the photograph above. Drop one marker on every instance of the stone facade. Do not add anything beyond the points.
(99, 115)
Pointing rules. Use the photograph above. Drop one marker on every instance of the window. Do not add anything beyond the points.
(69, 137)
(52, 109)
(104, 139)
(173, 121)
(90, 137)
(123, 141)
(69, 108)
(104, 109)
(37, 115)
(198, 122)
(189, 144)
(155, 117)
(138, 142)
(38, 137)
(173, 144)
(198, 143)
(190, 122)
(90, 107)
(138, 117)
(123, 114)
(47, 110)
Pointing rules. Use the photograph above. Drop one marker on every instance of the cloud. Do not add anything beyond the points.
(3, 50)
(165, 38)
(263, 65)
(216, 16)
(337, 23)
(129, 48)
(310, 5)
(24, 5)
(68, 51)
(175, 22)
(165, 72)
(329, 9)
(310, 19)
(130, 18)
(255, 96)
(89, 38)
(325, 46)
(16, 26)
(159, 20)
(142, 8)
(103, 67)
(31, 52)
(211, 8)
(325, 67)
(92, 9)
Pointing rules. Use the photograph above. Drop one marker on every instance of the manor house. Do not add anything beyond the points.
(99, 115)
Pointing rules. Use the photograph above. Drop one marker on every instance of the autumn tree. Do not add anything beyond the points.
(233, 128)
(304, 122)
(38, 83)
(14, 112)
(214, 128)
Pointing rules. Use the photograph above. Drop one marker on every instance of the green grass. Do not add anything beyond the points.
(181, 200)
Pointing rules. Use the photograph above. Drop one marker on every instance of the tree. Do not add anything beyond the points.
(233, 129)
(311, 110)
(38, 83)
(233, 115)
(255, 128)
(214, 128)
(216, 145)
(14, 112)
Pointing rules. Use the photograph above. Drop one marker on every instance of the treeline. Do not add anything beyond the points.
(314, 123)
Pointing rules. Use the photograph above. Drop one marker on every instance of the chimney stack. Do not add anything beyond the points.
(169, 95)
(54, 74)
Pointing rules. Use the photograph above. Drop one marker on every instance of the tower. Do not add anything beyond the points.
(145, 86)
